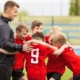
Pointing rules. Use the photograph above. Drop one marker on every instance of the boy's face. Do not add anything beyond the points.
(12, 12)
(38, 29)
(57, 44)
(22, 34)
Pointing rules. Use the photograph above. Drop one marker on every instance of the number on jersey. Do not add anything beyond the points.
(36, 55)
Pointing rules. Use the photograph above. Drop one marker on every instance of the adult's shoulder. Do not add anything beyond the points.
(3, 24)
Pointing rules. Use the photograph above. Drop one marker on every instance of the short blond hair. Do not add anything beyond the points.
(58, 37)
(21, 26)
(54, 30)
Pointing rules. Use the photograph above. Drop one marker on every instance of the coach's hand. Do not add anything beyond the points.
(27, 48)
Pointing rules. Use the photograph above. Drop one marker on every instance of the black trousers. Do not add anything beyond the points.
(5, 72)
(55, 75)
(76, 77)
(17, 74)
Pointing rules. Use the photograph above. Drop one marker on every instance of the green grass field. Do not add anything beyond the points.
(67, 75)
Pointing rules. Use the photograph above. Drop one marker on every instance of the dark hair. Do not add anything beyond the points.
(10, 4)
(21, 26)
(38, 35)
(36, 23)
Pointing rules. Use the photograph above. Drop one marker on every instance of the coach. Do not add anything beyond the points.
(7, 40)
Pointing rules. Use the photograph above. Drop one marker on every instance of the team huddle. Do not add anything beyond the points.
(31, 50)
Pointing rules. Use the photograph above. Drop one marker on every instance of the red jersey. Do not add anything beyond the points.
(19, 58)
(71, 60)
(28, 38)
(47, 39)
(54, 64)
(36, 67)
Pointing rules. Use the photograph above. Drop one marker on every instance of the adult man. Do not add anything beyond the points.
(7, 40)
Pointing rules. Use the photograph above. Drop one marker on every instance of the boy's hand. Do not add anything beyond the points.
(0, 49)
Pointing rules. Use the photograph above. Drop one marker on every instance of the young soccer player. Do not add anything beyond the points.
(21, 33)
(68, 56)
(36, 26)
(55, 68)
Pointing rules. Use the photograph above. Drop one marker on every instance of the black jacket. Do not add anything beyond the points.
(7, 41)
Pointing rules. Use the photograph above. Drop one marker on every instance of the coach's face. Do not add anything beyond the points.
(12, 12)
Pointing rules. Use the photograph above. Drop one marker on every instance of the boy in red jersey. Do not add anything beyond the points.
(21, 33)
(36, 68)
(36, 26)
(55, 68)
(68, 56)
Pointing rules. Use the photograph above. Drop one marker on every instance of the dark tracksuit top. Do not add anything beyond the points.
(7, 41)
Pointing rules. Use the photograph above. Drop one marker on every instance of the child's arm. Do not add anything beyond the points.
(6, 52)
(59, 51)
(43, 43)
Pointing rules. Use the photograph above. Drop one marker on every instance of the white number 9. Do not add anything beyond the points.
(34, 55)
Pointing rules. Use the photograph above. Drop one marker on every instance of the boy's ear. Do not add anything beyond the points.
(8, 10)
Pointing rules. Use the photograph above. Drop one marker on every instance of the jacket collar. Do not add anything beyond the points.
(5, 19)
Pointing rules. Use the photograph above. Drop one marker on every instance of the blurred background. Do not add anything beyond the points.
(63, 13)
